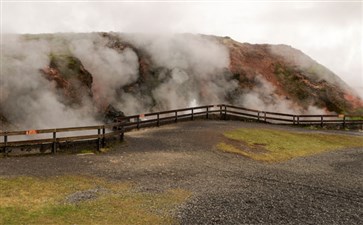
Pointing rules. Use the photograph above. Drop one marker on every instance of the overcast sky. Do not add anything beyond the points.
(329, 32)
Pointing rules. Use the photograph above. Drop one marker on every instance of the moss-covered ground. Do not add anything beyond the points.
(30, 200)
(270, 145)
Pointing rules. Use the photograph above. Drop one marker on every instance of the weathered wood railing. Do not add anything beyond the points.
(100, 133)
(292, 119)
(54, 136)
(158, 118)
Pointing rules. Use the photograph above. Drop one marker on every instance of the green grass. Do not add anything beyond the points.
(355, 118)
(277, 145)
(87, 151)
(29, 200)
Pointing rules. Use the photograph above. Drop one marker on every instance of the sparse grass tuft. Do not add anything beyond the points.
(28, 200)
(270, 145)
(86, 151)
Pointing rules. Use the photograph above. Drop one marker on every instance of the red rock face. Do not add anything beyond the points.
(251, 60)
(293, 75)
(69, 75)
(52, 74)
(355, 101)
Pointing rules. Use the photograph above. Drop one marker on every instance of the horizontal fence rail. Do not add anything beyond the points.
(292, 119)
(100, 133)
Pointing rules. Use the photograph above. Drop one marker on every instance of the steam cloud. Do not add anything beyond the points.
(317, 72)
(110, 69)
(194, 64)
(264, 97)
(190, 70)
(27, 98)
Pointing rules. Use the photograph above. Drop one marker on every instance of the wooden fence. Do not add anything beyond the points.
(292, 119)
(101, 133)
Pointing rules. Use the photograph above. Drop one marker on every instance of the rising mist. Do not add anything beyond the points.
(135, 73)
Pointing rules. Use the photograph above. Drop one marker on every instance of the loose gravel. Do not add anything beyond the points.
(226, 188)
(90, 194)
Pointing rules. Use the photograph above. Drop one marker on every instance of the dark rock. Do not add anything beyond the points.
(112, 114)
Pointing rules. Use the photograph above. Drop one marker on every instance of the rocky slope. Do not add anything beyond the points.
(72, 77)
(293, 74)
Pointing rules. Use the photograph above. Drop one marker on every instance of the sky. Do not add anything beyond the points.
(330, 32)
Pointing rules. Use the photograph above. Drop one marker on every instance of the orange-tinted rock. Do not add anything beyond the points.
(70, 76)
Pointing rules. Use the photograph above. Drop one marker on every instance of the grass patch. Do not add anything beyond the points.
(86, 151)
(28, 200)
(276, 145)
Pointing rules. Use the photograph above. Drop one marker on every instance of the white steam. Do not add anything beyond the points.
(195, 69)
(110, 69)
(27, 98)
(263, 97)
(186, 70)
(199, 55)
(314, 70)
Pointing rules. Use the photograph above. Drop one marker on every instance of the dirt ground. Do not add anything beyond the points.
(226, 188)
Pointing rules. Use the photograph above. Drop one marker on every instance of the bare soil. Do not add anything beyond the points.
(227, 188)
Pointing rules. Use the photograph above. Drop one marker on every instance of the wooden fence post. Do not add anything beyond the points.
(138, 122)
(293, 120)
(54, 145)
(265, 117)
(99, 139)
(5, 143)
(321, 121)
(192, 114)
(207, 112)
(122, 134)
(103, 136)
(220, 112)
(176, 116)
(298, 120)
(258, 116)
(225, 112)
(344, 122)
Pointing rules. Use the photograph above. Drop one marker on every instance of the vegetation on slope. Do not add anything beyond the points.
(311, 91)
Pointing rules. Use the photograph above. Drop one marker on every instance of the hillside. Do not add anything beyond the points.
(53, 80)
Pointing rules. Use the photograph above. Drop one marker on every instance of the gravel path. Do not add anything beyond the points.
(227, 189)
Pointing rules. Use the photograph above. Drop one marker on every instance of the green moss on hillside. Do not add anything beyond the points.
(309, 91)
(293, 84)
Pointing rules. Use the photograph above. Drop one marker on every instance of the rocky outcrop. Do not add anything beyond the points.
(294, 75)
(71, 78)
